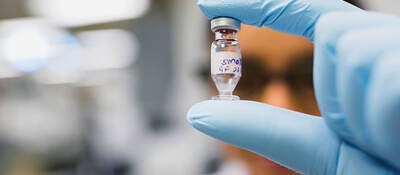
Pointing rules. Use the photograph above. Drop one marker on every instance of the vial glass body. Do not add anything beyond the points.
(226, 62)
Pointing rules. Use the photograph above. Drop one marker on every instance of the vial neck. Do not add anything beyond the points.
(226, 34)
(225, 93)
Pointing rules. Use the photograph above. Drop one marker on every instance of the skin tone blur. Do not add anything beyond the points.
(278, 72)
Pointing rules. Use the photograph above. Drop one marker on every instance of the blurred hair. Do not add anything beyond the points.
(355, 3)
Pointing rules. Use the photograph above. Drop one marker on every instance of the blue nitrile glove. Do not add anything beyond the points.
(357, 83)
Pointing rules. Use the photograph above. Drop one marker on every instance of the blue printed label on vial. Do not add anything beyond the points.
(226, 62)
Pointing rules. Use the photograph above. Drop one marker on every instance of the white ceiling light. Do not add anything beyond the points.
(24, 44)
(36, 46)
(72, 13)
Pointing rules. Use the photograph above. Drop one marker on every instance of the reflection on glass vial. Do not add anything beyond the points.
(226, 59)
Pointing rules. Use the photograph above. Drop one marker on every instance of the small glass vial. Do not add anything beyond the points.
(226, 58)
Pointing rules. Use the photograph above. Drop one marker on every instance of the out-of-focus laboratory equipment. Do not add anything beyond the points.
(226, 58)
(85, 13)
(38, 48)
(77, 89)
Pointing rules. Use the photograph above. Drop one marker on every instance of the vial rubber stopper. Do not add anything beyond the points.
(225, 23)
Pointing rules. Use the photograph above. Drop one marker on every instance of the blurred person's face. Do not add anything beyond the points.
(289, 88)
(279, 73)
(277, 70)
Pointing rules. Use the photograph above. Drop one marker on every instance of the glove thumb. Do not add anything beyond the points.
(298, 141)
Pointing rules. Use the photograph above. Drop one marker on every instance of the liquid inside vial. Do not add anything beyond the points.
(226, 83)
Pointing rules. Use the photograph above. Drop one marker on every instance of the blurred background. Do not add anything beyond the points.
(102, 87)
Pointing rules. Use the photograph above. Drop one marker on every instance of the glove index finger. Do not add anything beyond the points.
(295, 140)
(289, 16)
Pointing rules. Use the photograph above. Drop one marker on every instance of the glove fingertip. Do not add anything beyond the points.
(203, 7)
(197, 117)
(203, 126)
(197, 112)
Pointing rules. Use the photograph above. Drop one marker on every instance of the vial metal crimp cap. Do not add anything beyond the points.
(225, 23)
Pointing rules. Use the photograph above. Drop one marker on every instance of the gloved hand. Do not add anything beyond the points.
(357, 84)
